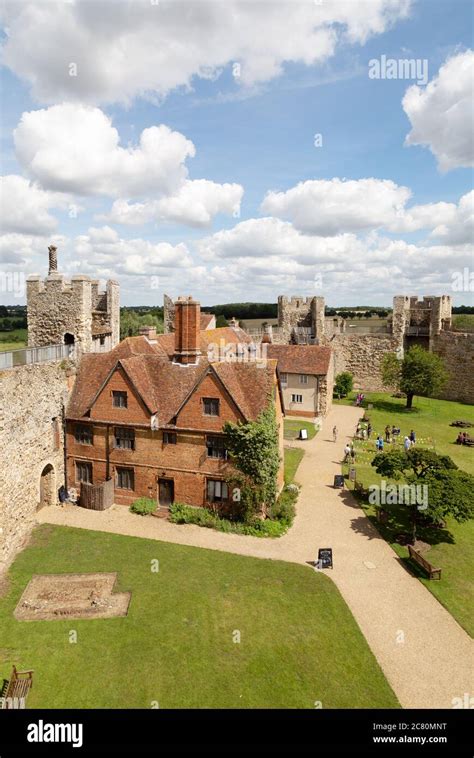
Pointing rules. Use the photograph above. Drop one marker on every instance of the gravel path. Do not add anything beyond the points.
(426, 656)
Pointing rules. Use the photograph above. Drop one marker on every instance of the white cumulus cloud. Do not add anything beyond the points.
(88, 52)
(25, 207)
(441, 114)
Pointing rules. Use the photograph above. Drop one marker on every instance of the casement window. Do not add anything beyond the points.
(83, 434)
(283, 378)
(297, 398)
(217, 491)
(124, 438)
(119, 399)
(170, 438)
(125, 478)
(216, 447)
(303, 378)
(210, 406)
(84, 472)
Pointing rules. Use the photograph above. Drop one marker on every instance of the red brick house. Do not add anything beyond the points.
(149, 414)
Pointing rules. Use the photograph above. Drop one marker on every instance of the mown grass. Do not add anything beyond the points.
(298, 640)
(452, 548)
(293, 457)
(292, 428)
(13, 340)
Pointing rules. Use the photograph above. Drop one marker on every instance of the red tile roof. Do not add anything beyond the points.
(301, 359)
(163, 385)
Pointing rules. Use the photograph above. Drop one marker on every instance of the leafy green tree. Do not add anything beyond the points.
(343, 384)
(221, 321)
(419, 372)
(254, 452)
(449, 489)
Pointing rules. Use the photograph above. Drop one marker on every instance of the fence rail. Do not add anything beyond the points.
(28, 355)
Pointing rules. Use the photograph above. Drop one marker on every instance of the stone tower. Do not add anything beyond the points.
(73, 312)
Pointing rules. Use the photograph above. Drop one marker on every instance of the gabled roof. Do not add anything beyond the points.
(301, 359)
(163, 385)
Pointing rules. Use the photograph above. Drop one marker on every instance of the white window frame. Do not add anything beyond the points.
(297, 398)
(303, 378)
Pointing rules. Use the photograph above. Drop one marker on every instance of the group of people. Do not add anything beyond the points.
(464, 439)
(360, 398)
(349, 453)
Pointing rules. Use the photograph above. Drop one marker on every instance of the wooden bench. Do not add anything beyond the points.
(418, 558)
(17, 689)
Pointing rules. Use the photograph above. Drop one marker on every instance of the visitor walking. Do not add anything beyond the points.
(347, 453)
(387, 433)
(407, 444)
(353, 453)
(379, 444)
(369, 430)
(334, 433)
(412, 437)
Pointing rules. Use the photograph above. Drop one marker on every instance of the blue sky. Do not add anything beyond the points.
(256, 135)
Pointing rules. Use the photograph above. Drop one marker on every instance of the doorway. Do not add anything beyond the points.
(69, 339)
(165, 491)
(47, 487)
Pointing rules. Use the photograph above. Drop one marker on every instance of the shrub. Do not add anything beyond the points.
(343, 384)
(143, 506)
(284, 508)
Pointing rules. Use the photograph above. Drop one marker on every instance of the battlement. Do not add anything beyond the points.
(72, 311)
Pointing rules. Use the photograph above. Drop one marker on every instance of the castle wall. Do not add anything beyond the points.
(56, 307)
(457, 351)
(31, 438)
(362, 355)
(168, 314)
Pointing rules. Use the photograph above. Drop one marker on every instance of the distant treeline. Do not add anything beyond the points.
(243, 311)
(131, 319)
(352, 313)
(12, 317)
(463, 309)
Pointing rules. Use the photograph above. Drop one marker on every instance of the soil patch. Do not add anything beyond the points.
(72, 596)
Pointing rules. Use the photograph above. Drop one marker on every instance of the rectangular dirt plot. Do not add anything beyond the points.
(72, 596)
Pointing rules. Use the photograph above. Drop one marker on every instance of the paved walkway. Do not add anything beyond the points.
(426, 656)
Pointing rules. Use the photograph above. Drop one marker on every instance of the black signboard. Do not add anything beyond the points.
(339, 480)
(324, 558)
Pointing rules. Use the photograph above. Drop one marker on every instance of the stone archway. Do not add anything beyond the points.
(47, 487)
(69, 339)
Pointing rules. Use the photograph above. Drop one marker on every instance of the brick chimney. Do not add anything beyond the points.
(187, 328)
(147, 331)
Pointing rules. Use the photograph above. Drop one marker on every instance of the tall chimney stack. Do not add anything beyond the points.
(53, 260)
(187, 330)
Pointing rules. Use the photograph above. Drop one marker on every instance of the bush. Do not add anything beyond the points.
(284, 508)
(143, 506)
(343, 384)
(282, 515)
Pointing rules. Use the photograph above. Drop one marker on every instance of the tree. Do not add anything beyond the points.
(253, 448)
(449, 490)
(419, 372)
(343, 384)
(221, 321)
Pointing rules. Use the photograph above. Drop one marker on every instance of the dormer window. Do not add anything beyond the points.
(119, 399)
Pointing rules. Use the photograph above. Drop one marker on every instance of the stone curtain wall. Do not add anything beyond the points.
(294, 311)
(457, 351)
(362, 355)
(30, 398)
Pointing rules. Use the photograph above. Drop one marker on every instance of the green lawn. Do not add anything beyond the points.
(293, 456)
(292, 428)
(453, 547)
(299, 642)
(8, 343)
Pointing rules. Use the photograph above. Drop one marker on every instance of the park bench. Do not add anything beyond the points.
(17, 689)
(418, 558)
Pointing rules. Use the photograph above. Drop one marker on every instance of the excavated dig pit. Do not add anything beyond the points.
(50, 597)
